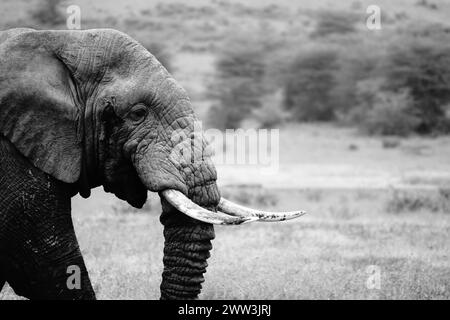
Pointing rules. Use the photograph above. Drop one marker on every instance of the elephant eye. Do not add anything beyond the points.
(137, 114)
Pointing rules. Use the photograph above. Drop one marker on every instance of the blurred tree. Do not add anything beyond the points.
(355, 64)
(271, 113)
(309, 85)
(390, 114)
(424, 68)
(239, 86)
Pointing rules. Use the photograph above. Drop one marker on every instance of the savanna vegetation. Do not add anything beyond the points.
(396, 83)
(282, 62)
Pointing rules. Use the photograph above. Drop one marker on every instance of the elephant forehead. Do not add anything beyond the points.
(166, 98)
(153, 83)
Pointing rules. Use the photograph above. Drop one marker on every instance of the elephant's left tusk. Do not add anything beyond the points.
(183, 204)
(234, 209)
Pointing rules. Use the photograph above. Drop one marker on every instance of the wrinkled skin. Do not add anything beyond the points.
(80, 109)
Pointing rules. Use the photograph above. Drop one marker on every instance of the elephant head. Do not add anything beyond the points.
(95, 108)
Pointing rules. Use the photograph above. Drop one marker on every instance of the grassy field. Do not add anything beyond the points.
(325, 255)
(404, 231)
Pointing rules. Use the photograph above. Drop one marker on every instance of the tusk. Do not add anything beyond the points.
(234, 209)
(183, 204)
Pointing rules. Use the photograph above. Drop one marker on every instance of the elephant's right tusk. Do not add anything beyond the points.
(183, 204)
(234, 209)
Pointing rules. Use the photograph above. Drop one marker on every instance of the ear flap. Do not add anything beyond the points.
(38, 111)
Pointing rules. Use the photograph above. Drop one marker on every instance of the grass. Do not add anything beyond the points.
(323, 255)
(416, 200)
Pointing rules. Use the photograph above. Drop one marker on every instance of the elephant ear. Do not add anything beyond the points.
(38, 111)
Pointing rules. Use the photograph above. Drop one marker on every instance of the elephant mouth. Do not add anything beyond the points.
(229, 213)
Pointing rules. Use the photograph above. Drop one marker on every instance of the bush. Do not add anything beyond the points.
(382, 112)
(357, 64)
(390, 114)
(413, 200)
(423, 66)
(271, 113)
(309, 86)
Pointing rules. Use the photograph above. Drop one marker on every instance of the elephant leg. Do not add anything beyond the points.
(39, 251)
(43, 259)
(49, 276)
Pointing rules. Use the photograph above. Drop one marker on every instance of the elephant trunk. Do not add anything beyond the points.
(186, 249)
(187, 240)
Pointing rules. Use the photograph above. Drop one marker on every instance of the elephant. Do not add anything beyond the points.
(81, 109)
